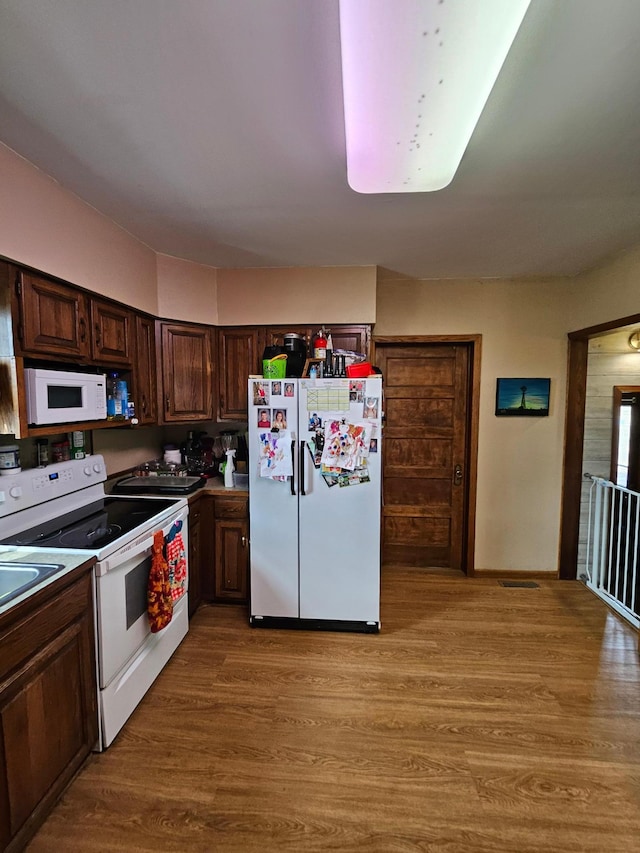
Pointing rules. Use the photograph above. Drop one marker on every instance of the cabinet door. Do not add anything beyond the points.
(53, 317)
(195, 593)
(350, 337)
(186, 370)
(231, 549)
(111, 333)
(144, 376)
(354, 338)
(238, 356)
(204, 557)
(275, 335)
(48, 708)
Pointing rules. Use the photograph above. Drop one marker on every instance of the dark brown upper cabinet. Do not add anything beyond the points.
(53, 318)
(144, 372)
(111, 333)
(352, 338)
(56, 320)
(356, 338)
(239, 354)
(185, 371)
(275, 335)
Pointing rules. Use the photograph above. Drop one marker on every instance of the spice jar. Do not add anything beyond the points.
(42, 452)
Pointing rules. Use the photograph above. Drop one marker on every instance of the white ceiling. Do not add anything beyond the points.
(213, 130)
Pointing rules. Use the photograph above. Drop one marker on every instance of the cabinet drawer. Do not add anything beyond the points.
(231, 507)
(22, 638)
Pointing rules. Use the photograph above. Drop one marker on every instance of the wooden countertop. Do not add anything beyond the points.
(216, 486)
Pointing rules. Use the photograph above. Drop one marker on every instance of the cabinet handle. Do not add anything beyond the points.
(244, 541)
(83, 330)
(98, 341)
(144, 405)
(166, 403)
(457, 475)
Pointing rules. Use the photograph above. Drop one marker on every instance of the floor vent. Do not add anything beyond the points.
(520, 584)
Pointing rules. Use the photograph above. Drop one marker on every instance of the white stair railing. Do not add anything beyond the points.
(613, 539)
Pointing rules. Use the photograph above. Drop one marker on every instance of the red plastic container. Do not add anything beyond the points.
(357, 371)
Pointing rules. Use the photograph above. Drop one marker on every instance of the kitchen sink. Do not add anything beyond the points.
(16, 577)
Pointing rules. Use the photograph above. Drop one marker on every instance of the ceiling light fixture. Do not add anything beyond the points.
(416, 75)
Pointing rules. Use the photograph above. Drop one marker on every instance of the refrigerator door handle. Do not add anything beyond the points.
(302, 491)
(293, 466)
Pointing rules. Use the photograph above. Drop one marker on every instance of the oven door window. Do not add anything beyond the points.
(123, 625)
(136, 582)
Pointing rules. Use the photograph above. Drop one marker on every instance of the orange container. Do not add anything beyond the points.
(357, 371)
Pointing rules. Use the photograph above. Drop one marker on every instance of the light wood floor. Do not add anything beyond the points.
(481, 719)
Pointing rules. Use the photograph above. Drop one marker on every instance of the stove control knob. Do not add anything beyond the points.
(15, 492)
(97, 468)
(87, 470)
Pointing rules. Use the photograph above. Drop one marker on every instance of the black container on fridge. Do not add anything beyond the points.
(296, 349)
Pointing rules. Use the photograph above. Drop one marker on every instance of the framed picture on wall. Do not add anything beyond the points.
(528, 398)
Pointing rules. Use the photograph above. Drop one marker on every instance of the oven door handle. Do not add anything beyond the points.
(140, 545)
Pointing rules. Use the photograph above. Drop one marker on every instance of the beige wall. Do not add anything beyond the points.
(124, 449)
(523, 323)
(45, 226)
(187, 291)
(609, 292)
(523, 326)
(297, 295)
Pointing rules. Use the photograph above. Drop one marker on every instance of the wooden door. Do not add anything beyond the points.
(425, 464)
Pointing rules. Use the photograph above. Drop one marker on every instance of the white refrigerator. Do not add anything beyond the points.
(314, 502)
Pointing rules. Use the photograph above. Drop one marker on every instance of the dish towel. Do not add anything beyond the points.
(177, 560)
(159, 598)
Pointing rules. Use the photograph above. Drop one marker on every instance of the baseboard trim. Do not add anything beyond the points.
(515, 574)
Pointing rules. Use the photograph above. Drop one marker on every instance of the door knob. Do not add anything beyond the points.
(457, 475)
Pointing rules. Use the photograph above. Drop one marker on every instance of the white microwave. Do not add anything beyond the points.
(61, 396)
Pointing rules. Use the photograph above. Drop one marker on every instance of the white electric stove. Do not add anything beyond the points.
(64, 506)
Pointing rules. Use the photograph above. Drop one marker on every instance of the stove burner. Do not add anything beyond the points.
(38, 539)
(82, 538)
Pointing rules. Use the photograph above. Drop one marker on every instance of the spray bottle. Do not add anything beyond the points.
(229, 468)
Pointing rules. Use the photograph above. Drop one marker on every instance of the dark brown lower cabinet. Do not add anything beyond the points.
(219, 548)
(196, 540)
(231, 549)
(48, 702)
